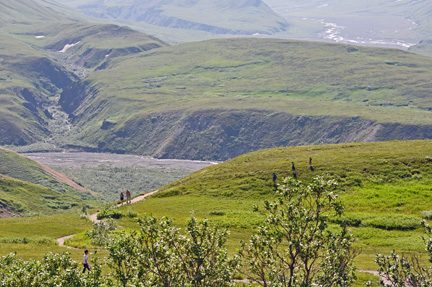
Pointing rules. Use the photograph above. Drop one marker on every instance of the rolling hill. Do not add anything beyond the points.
(27, 188)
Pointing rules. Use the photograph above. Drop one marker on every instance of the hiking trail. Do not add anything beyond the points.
(93, 217)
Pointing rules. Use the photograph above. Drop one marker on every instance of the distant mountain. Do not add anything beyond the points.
(219, 17)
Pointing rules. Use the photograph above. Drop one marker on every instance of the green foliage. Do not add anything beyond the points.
(159, 255)
(25, 240)
(427, 214)
(100, 232)
(382, 221)
(294, 246)
(109, 211)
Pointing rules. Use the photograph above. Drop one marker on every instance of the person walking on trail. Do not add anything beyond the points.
(128, 196)
(85, 262)
(310, 164)
(121, 197)
(293, 170)
(274, 179)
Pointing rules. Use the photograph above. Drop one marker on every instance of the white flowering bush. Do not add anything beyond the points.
(400, 271)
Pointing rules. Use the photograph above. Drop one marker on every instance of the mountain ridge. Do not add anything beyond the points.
(202, 15)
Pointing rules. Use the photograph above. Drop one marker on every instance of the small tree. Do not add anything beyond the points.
(122, 258)
(400, 271)
(203, 258)
(293, 246)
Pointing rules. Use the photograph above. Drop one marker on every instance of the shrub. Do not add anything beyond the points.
(402, 270)
(109, 212)
(219, 213)
(393, 222)
(387, 222)
(427, 214)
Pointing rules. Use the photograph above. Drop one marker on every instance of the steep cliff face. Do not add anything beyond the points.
(224, 134)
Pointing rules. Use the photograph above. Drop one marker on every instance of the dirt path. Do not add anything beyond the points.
(61, 240)
(93, 217)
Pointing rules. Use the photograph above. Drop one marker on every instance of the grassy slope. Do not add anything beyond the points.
(24, 198)
(254, 69)
(397, 185)
(22, 124)
(21, 168)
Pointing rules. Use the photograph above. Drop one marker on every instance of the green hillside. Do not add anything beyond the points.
(221, 98)
(384, 186)
(31, 173)
(23, 198)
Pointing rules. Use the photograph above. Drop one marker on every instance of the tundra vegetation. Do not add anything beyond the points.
(292, 247)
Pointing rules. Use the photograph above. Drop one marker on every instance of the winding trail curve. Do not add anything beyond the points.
(93, 217)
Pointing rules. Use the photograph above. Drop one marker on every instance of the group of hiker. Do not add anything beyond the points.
(293, 169)
(128, 197)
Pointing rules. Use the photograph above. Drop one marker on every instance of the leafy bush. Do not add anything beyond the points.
(386, 221)
(393, 222)
(219, 213)
(109, 212)
(402, 270)
(17, 240)
(427, 214)
(160, 255)
(53, 270)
